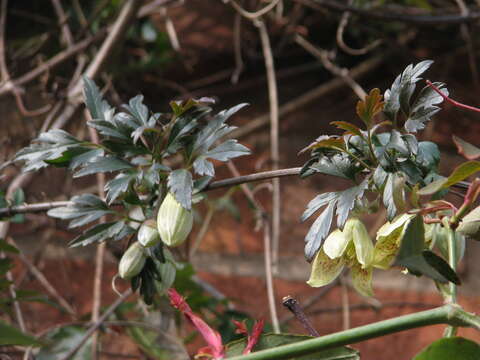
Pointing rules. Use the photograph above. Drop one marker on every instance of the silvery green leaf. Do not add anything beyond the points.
(180, 184)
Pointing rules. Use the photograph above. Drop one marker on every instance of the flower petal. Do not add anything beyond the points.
(335, 244)
(362, 280)
(363, 243)
(324, 269)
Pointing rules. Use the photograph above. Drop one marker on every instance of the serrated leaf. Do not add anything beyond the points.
(450, 348)
(48, 146)
(99, 109)
(424, 107)
(319, 231)
(346, 201)
(98, 233)
(180, 183)
(325, 141)
(214, 130)
(84, 209)
(118, 186)
(460, 173)
(337, 165)
(267, 341)
(351, 128)
(10, 335)
(467, 150)
(400, 93)
(368, 108)
(102, 165)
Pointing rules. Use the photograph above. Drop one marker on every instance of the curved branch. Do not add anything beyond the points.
(391, 16)
(219, 184)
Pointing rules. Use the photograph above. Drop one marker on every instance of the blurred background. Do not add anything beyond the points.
(325, 54)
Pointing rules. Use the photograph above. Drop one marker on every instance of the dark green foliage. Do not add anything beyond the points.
(134, 146)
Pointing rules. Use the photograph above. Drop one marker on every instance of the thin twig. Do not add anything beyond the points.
(267, 252)
(309, 96)
(253, 15)
(322, 55)
(100, 253)
(341, 43)
(171, 32)
(427, 20)
(234, 181)
(466, 34)
(345, 303)
(237, 47)
(292, 304)
(62, 21)
(4, 76)
(69, 355)
(274, 138)
(44, 281)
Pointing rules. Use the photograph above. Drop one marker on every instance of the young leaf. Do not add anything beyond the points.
(349, 127)
(368, 108)
(99, 109)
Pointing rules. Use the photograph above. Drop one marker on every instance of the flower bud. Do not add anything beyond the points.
(132, 261)
(148, 234)
(174, 221)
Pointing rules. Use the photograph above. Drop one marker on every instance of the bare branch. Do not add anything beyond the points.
(427, 20)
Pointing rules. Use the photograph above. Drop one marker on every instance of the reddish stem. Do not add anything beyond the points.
(451, 101)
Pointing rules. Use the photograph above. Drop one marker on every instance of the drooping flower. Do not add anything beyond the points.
(351, 247)
(388, 241)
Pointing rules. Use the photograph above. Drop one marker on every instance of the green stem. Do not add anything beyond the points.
(448, 314)
(370, 146)
(357, 159)
(452, 261)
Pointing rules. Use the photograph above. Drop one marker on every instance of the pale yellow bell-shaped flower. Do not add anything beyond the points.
(351, 247)
(388, 241)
